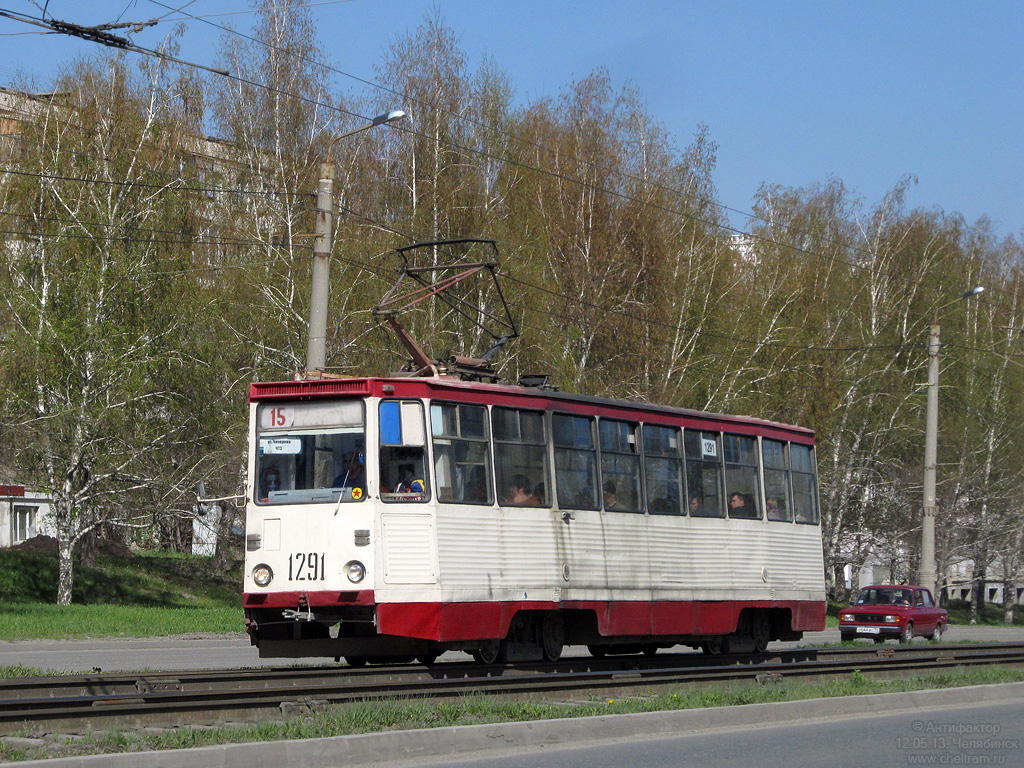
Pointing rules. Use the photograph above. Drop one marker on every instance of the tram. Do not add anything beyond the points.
(396, 518)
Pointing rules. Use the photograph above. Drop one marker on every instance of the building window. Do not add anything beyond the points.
(23, 523)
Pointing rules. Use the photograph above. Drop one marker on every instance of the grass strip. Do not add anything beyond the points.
(42, 621)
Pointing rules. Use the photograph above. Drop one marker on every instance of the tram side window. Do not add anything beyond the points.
(620, 466)
(703, 473)
(403, 465)
(743, 498)
(805, 483)
(778, 503)
(520, 457)
(462, 464)
(575, 461)
(663, 470)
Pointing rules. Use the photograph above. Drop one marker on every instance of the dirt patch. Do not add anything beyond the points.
(44, 545)
(47, 545)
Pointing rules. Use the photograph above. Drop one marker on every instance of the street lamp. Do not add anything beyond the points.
(926, 572)
(316, 344)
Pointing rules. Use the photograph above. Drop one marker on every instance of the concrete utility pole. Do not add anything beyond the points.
(316, 345)
(316, 348)
(926, 572)
(931, 429)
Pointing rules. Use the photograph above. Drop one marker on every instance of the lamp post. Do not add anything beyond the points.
(316, 344)
(926, 572)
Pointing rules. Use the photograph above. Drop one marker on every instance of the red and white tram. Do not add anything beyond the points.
(397, 518)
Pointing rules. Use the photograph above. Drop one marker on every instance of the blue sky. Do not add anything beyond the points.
(792, 92)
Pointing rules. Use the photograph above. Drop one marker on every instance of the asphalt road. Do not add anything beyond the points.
(234, 652)
(960, 735)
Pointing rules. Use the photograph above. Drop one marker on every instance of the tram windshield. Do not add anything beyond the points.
(310, 452)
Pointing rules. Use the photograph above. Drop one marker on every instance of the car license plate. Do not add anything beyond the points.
(867, 630)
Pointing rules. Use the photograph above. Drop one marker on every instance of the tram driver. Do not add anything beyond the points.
(353, 472)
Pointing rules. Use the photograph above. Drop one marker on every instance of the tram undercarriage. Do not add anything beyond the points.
(532, 636)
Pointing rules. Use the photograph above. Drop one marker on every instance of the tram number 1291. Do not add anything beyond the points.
(306, 566)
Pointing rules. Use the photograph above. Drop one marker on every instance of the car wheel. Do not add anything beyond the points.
(936, 635)
(845, 637)
(908, 633)
(879, 640)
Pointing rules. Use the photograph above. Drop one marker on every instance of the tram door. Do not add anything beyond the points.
(408, 536)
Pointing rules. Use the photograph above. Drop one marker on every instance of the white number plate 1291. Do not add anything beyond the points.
(306, 566)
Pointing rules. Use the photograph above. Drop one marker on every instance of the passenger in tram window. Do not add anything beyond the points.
(776, 509)
(610, 501)
(476, 487)
(741, 505)
(662, 505)
(408, 483)
(540, 492)
(519, 492)
(353, 473)
(696, 508)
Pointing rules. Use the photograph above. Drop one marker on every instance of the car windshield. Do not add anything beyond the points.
(885, 596)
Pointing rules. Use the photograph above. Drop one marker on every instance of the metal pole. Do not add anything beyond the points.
(931, 430)
(316, 349)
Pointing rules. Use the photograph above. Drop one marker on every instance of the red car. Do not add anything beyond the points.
(885, 611)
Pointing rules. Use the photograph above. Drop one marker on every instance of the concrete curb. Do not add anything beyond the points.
(462, 741)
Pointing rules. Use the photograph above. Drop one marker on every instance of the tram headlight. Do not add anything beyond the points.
(355, 571)
(262, 574)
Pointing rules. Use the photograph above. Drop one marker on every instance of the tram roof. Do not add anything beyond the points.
(498, 394)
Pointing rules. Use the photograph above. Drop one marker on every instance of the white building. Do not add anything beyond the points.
(23, 514)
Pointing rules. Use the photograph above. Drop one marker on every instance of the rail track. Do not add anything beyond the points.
(81, 703)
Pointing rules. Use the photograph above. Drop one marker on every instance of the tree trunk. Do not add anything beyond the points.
(66, 569)
(977, 593)
(87, 550)
(1009, 599)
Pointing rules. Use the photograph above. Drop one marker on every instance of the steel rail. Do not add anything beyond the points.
(87, 702)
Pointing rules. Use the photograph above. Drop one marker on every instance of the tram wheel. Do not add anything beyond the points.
(489, 652)
(712, 646)
(552, 635)
(761, 631)
(356, 661)
(649, 649)
(427, 658)
(598, 651)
